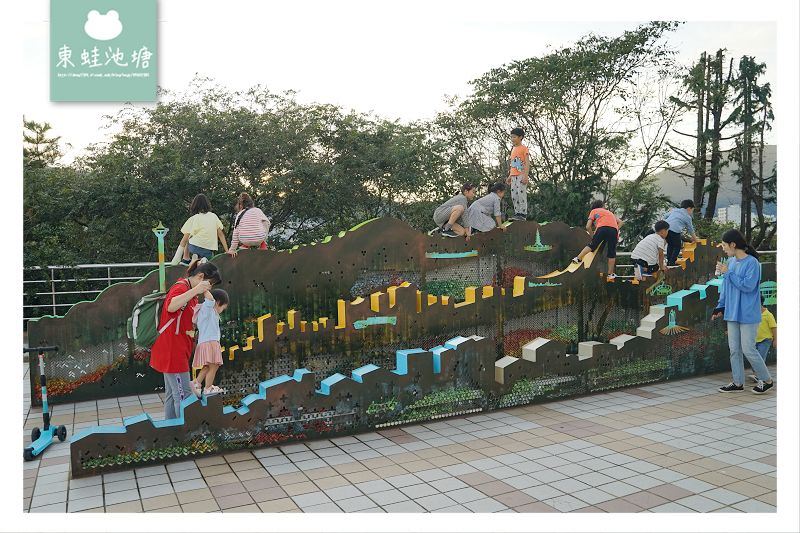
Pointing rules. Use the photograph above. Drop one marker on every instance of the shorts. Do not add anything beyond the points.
(608, 235)
(646, 267)
(442, 214)
(201, 252)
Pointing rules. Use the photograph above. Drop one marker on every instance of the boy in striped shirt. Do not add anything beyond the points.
(648, 255)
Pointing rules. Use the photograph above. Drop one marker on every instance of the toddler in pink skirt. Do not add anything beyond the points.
(208, 353)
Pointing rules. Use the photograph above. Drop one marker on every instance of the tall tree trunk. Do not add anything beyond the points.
(759, 197)
(720, 89)
(701, 145)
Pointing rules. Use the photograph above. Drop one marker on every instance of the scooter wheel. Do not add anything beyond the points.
(35, 434)
(27, 453)
(62, 433)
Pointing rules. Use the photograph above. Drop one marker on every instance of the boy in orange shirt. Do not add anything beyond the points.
(606, 229)
(519, 166)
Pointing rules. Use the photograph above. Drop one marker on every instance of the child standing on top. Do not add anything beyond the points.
(648, 255)
(250, 227)
(606, 230)
(201, 231)
(208, 354)
(519, 167)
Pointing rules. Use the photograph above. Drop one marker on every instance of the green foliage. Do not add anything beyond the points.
(564, 100)
(450, 287)
(638, 204)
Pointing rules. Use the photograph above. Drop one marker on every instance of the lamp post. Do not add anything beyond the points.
(160, 231)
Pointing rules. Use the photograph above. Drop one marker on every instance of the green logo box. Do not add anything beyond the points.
(103, 50)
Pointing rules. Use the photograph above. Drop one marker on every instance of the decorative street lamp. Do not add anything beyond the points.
(160, 231)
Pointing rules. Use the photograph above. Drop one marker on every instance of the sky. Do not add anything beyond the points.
(347, 55)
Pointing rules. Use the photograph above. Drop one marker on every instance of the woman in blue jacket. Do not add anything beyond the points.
(740, 306)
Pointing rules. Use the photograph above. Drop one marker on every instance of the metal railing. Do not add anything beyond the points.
(62, 293)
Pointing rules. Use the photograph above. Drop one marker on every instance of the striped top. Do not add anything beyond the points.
(252, 228)
(647, 249)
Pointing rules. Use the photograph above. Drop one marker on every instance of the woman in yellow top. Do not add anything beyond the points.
(201, 231)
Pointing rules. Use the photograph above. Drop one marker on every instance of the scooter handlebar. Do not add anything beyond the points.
(40, 349)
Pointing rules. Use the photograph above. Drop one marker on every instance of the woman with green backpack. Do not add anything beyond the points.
(172, 348)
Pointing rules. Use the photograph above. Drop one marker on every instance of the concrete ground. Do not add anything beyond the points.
(667, 447)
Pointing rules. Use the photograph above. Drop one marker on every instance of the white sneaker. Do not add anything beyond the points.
(637, 272)
(754, 378)
(611, 277)
(576, 260)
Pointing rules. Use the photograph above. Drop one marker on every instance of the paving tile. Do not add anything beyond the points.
(85, 492)
(133, 506)
(227, 489)
(417, 491)
(670, 491)
(724, 496)
(484, 505)
(514, 499)
(543, 492)
(60, 507)
(203, 506)
(304, 487)
(122, 497)
(447, 484)
(699, 503)
(331, 482)
(754, 506)
(262, 495)
(536, 507)
(404, 507)
(48, 499)
(192, 496)
(359, 503)
(234, 500)
(642, 481)
(149, 481)
(156, 490)
(593, 496)
(476, 478)
(78, 483)
(118, 476)
(328, 507)
(184, 475)
(670, 507)
(618, 488)
(387, 497)
(619, 505)
(116, 486)
(343, 492)
(404, 480)
(694, 485)
(277, 506)
(83, 504)
(569, 485)
(260, 483)
(378, 485)
(465, 495)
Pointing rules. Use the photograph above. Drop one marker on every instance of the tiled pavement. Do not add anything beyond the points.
(667, 447)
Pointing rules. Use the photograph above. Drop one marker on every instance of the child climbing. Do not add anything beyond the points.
(449, 215)
(518, 169)
(648, 255)
(767, 336)
(208, 354)
(201, 231)
(606, 230)
(250, 227)
(479, 214)
(679, 220)
(740, 306)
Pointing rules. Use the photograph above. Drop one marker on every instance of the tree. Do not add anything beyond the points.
(638, 203)
(570, 103)
(39, 150)
(710, 87)
(753, 114)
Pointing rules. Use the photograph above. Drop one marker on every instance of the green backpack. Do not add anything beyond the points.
(143, 327)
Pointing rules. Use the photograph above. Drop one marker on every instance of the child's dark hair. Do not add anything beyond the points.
(519, 132)
(209, 271)
(467, 187)
(497, 187)
(686, 204)
(597, 204)
(734, 236)
(661, 224)
(220, 296)
(200, 204)
(245, 201)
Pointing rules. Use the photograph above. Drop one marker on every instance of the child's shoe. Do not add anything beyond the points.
(576, 260)
(212, 391)
(611, 277)
(637, 272)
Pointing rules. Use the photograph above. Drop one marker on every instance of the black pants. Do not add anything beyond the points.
(608, 235)
(673, 247)
(646, 268)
